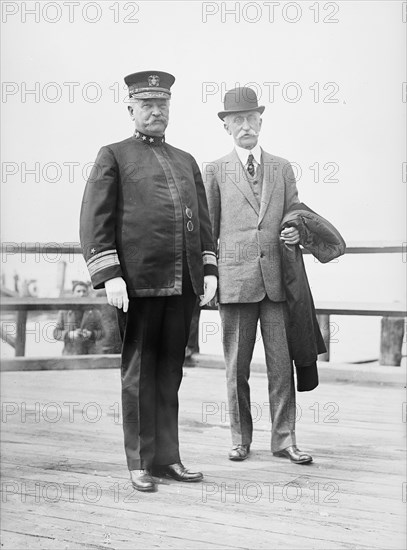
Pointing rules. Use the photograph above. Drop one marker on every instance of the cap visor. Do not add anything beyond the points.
(150, 95)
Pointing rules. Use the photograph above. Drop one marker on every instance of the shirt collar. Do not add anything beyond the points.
(243, 154)
(149, 140)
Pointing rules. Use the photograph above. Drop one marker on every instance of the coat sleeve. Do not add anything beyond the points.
(60, 331)
(98, 220)
(213, 197)
(208, 246)
(95, 325)
(291, 191)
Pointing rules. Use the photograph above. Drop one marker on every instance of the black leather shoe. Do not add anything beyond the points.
(142, 480)
(294, 454)
(239, 452)
(178, 472)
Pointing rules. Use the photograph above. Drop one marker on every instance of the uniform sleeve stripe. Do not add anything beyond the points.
(209, 258)
(100, 255)
(102, 260)
(208, 252)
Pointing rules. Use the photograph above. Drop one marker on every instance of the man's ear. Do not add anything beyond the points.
(130, 109)
(226, 126)
(261, 122)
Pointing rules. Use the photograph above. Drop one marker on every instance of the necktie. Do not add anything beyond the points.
(250, 165)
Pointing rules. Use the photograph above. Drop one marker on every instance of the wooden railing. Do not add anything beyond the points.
(23, 305)
(11, 248)
(392, 313)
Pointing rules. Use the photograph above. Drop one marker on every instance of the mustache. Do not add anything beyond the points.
(249, 133)
(157, 119)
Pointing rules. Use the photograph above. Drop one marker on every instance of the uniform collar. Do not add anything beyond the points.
(149, 140)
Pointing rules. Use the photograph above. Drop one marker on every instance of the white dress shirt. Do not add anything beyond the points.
(243, 155)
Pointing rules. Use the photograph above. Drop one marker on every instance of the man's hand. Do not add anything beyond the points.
(290, 235)
(74, 334)
(210, 286)
(117, 293)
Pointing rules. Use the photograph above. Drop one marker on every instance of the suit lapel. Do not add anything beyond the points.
(269, 182)
(236, 174)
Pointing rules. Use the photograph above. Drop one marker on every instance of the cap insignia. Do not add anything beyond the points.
(153, 80)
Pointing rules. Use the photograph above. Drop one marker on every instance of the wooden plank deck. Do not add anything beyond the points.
(65, 483)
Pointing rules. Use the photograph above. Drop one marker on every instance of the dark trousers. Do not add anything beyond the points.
(193, 340)
(155, 332)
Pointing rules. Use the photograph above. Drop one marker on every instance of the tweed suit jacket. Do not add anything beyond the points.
(247, 233)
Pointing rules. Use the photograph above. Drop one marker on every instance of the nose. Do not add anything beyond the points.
(246, 125)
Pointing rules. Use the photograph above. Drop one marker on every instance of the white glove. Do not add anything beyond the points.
(210, 286)
(116, 291)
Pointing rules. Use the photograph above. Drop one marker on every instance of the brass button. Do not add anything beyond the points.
(190, 226)
(188, 212)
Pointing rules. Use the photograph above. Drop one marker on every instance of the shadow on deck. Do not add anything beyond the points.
(65, 483)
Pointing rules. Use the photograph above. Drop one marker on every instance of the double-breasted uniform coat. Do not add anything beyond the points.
(145, 218)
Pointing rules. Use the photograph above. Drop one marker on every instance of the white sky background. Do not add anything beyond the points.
(363, 133)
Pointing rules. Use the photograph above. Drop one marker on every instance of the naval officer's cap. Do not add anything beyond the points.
(149, 85)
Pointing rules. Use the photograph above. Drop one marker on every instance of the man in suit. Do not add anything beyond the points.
(79, 329)
(248, 193)
(146, 237)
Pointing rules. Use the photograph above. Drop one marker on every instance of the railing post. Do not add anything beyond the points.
(8, 338)
(323, 321)
(21, 332)
(391, 341)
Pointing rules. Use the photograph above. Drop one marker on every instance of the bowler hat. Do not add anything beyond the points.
(239, 100)
(149, 85)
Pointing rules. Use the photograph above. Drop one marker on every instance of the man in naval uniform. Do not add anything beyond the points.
(146, 237)
(248, 193)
